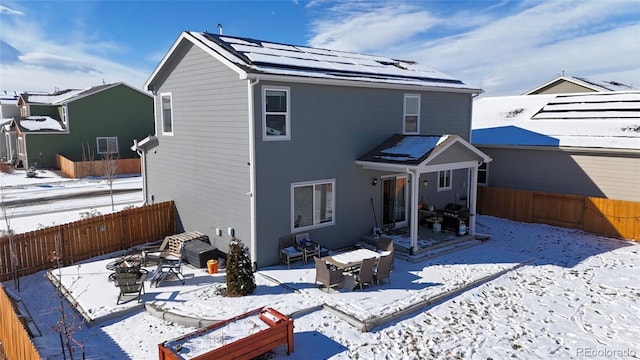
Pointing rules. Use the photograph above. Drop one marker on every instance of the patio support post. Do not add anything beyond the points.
(473, 193)
(414, 210)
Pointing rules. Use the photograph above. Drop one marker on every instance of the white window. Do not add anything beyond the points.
(276, 116)
(411, 124)
(312, 204)
(64, 114)
(107, 145)
(167, 114)
(444, 180)
(20, 146)
(483, 174)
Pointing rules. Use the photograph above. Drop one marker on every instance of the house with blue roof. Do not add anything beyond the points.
(260, 140)
(580, 143)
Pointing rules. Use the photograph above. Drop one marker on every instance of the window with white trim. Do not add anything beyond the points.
(312, 204)
(483, 174)
(107, 145)
(64, 114)
(411, 123)
(20, 146)
(276, 116)
(444, 180)
(167, 113)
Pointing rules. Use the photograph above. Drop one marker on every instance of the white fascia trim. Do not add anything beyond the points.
(463, 142)
(570, 149)
(356, 83)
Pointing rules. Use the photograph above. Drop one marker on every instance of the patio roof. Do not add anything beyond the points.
(422, 153)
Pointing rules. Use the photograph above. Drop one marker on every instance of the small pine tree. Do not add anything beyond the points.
(240, 278)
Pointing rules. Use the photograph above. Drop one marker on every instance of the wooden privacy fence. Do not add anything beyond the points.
(14, 337)
(615, 218)
(80, 169)
(87, 238)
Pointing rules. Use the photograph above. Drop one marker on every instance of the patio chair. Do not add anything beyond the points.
(168, 266)
(308, 247)
(364, 275)
(289, 252)
(383, 269)
(386, 247)
(155, 252)
(129, 283)
(327, 276)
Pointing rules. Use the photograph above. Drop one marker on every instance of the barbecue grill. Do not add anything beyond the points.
(452, 215)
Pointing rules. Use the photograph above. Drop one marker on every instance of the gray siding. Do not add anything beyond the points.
(605, 176)
(331, 127)
(563, 87)
(204, 165)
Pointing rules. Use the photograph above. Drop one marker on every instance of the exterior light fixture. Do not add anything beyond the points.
(425, 183)
(374, 181)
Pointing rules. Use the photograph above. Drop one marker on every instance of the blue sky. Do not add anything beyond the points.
(503, 47)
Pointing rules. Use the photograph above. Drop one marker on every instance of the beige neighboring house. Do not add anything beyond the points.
(584, 143)
(573, 84)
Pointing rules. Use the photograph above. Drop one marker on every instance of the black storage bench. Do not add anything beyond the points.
(198, 252)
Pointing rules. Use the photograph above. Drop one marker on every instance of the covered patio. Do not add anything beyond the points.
(410, 159)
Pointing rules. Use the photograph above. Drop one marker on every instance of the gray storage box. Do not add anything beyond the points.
(198, 252)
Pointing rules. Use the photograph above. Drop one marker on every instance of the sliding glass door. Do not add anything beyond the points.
(394, 201)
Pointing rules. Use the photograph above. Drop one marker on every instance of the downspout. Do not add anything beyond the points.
(413, 233)
(253, 250)
(143, 168)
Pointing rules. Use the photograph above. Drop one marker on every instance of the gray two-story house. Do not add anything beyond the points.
(260, 140)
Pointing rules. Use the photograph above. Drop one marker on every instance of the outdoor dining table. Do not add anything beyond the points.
(350, 259)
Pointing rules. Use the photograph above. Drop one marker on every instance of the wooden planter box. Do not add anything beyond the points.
(271, 327)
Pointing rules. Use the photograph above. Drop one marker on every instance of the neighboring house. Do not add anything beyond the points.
(261, 140)
(8, 111)
(583, 144)
(573, 84)
(81, 124)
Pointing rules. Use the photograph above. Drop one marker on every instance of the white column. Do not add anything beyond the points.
(414, 210)
(473, 192)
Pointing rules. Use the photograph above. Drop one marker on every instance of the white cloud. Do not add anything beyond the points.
(372, 29)
(8, 11)
(46, 62)
(500, 52)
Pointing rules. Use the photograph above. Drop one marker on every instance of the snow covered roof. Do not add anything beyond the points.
(595, 85)
(587, 120)
(414, 150)
(68, 95)
(49, 98)
(40, 123)
(250, 56)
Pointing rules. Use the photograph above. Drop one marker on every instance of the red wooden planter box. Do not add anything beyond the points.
(278, 331)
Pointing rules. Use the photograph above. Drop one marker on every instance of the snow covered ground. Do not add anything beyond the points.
(50, 199)
(577, 295)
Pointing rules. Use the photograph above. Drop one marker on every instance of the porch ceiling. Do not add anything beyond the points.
(422, 153)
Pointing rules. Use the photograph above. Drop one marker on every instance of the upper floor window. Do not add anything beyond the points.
(167, 114)
(444, 180)
(107, 145)
(64, 114)
(275, 113)
(483, 174)
(24, 111)
(312, 204)
(411, 124)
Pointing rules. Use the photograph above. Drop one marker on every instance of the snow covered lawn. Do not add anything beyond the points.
(577, 295)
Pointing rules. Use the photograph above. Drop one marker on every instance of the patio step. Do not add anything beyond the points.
(446, 247)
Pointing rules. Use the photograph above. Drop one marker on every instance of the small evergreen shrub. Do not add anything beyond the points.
(240, 278)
